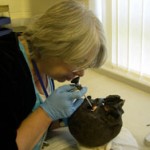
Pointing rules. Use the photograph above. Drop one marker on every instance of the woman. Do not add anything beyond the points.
(59, 45)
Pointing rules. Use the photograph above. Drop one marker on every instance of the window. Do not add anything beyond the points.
(126, 24)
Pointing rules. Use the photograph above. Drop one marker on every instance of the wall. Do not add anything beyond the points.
(21, 11)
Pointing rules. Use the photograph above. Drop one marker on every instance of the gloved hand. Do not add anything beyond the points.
(61, 104)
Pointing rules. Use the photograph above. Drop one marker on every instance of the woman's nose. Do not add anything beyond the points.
(79, 73)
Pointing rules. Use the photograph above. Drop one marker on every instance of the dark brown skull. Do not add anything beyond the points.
(96, 128)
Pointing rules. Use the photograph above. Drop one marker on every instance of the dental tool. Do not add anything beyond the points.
(79, 87)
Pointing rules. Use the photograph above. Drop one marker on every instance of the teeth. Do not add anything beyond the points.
(94, 108)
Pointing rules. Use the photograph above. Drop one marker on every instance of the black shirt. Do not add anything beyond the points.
(17, 95)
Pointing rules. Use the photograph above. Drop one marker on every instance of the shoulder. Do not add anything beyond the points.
(10, 55)
(7, 53)
(15, 76)
(16, 89)
(8, 41)
(8, 48)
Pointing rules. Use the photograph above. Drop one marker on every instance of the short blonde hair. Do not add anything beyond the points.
(68, 30)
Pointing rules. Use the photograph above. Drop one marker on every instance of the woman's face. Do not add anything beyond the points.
(58, 70)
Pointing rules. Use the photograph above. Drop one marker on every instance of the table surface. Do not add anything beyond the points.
(61, 139)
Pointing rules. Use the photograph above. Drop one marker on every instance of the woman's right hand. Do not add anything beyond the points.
(61, 104)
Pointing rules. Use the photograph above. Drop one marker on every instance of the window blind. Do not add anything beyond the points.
(127, 27)
(131, 35)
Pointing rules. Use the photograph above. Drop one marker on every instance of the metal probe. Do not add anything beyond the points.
(88, 101)
(76, 82)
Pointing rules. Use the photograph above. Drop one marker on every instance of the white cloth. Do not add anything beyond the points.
(61, 139)
(124, 141)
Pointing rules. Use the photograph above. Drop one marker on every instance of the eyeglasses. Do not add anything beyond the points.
(80, 69)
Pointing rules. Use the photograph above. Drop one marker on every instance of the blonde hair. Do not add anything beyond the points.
(68, 30)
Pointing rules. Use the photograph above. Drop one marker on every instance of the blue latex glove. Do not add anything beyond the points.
(61, 104)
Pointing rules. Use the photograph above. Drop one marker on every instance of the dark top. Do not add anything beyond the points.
(17, 95)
